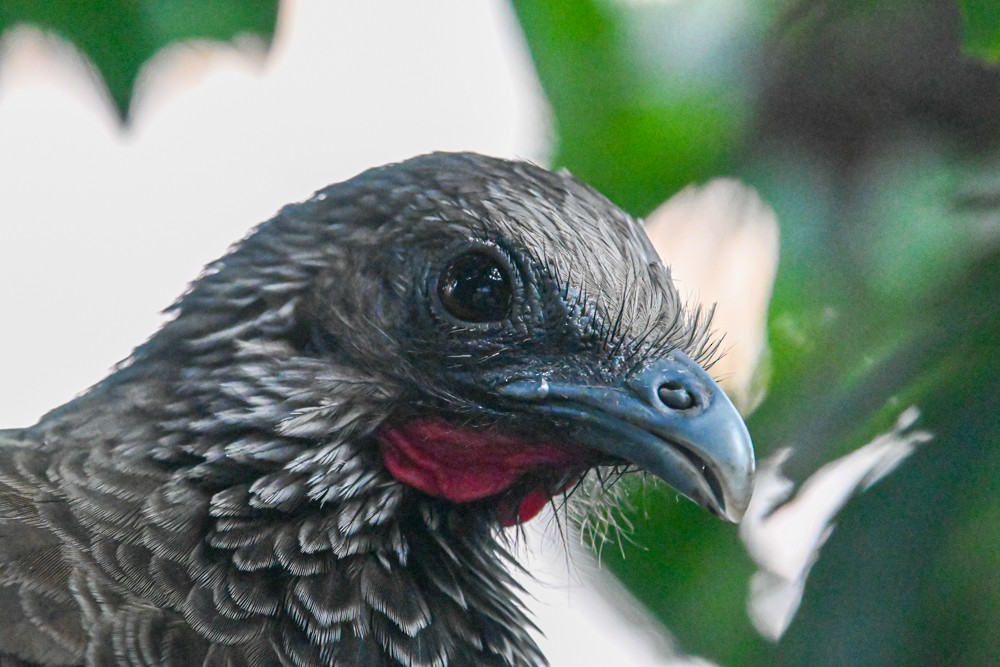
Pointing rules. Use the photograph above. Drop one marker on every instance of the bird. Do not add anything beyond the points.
(321, 455)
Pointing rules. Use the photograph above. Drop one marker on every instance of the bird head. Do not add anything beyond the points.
(479, 331)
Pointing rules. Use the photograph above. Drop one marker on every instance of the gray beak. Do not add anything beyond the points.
(669, 418)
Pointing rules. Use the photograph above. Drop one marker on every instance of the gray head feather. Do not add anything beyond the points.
(219, 498)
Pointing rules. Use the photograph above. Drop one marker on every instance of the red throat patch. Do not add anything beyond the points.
(463, 465)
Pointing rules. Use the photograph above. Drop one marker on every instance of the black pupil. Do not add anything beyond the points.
(476, 288)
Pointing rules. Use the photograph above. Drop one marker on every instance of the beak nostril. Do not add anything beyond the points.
(675, 396)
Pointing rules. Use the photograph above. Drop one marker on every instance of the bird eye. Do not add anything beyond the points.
(476, 287)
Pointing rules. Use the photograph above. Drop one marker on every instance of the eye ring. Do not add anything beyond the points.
(477, 286)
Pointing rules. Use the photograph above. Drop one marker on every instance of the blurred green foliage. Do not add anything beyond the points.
(876, 141)
(981, 28)
(119, 36)
(638, 112)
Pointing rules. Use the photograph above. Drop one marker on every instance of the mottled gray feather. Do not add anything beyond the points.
(219, 500)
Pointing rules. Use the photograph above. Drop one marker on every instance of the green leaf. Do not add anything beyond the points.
(981, 28)
(119, 36)
(635, 130)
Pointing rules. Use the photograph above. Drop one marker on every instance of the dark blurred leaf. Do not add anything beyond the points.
(908, 577)
(981, 28)
(119, 36)
(860, 262)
